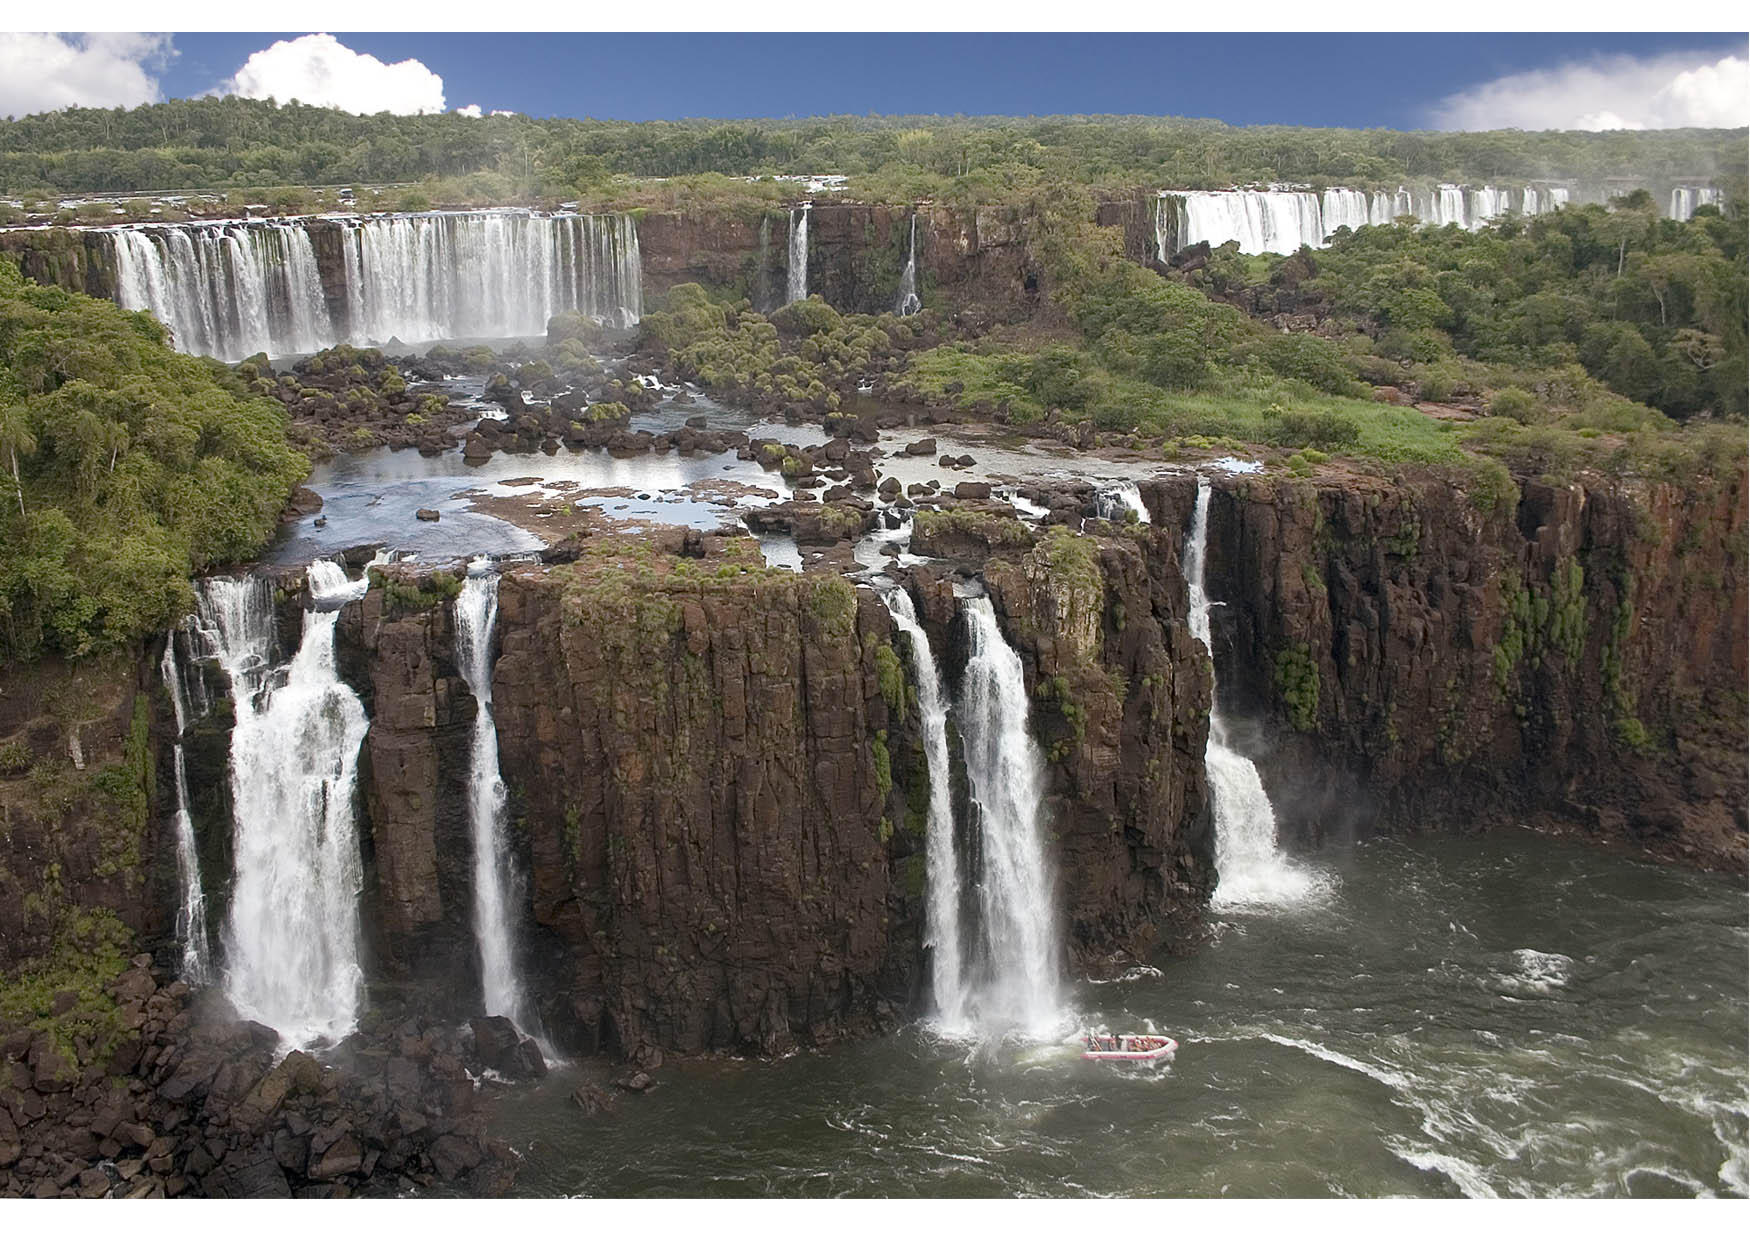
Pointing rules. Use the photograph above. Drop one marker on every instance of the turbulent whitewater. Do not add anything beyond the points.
(1251, 868)
(503, 991)
(292, 935)
(235, 288)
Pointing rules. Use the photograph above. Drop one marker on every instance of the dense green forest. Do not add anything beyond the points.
(213, 143)
(1653, 309)
(124, 467)
(1503, 320)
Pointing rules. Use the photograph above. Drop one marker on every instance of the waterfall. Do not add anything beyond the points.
(1006, 776)
(1113, 502)
(476, 617)
(1686, 198)
(907, 302)
(1281, 220)
(942, 907)
(1343, 208)
(763, 295)
(233, 289)
(796, 282)
(1251, 870)
(191, 914)
(292, 950)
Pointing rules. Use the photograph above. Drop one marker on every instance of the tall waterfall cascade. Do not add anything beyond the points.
(191, 913)
(1280, 220)
(503, 991)
(796, 278)
(292, 934)
(943, 884)
(1252, 872)
(907, 302)
(235, 288)
(1005, 774)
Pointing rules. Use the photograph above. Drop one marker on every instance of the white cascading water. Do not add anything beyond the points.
(1005, 774)
(1251, 870)
(1280, 221)
(1115, 501)
(942, 901)
(292, 940)
(1686, 198)
(476, 613)
(191, 914)
(234, 289)
(796, 277)
(907, 302)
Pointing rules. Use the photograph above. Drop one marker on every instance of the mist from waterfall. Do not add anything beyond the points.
(191, 913)
(1005, 775)
(943, 883)
(796, 278)
(907, 301)
(495, 885)
(292, 934)
(1251, 870)
(235, 288)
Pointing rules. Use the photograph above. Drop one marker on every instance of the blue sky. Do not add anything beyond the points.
(1353, 80)
(1452, 81)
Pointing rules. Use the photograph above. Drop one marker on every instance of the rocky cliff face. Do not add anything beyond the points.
(1419, 661)
(717, 785)
(77, 784)
(974, 259)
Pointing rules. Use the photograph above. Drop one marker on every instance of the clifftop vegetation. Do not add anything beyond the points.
(124, 467)
(232, 143)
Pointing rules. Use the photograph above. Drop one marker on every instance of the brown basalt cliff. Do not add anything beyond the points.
(1419, 660)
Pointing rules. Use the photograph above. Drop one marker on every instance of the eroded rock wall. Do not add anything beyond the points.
(1418, 660)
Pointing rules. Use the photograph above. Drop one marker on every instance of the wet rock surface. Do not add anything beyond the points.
(187, 1100)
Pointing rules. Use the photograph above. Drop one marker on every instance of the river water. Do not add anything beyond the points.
(1511, 1015)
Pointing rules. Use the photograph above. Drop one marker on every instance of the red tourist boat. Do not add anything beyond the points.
(1141, 1048)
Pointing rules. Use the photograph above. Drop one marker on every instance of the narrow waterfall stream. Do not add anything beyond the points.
(1006, 775)
(494, 875)
(942, 908)
(1252, 870)
(796, 280)
(191, 915)
(292, 936)
(907, 301)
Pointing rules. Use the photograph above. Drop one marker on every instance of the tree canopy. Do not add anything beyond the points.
(232, 142)
(126, 467)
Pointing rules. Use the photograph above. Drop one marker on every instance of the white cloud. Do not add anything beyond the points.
(472, 109)
(1617, 92)
(319, 69)
(47, 72)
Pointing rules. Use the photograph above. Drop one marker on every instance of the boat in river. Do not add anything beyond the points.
(1150, 1049)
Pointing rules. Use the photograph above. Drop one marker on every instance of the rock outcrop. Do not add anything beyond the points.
(1577, 651)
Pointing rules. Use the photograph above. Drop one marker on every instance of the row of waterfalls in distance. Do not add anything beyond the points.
(235, 288)
(290, 940)
(288, 953)
(1280, 221)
